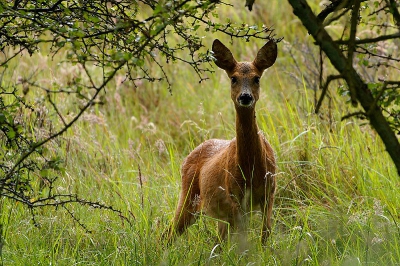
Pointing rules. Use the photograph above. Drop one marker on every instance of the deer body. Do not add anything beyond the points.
(223, 178)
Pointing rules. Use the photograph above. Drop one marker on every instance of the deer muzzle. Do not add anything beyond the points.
(245, 99)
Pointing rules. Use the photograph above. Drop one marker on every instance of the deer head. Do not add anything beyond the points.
(245, 76)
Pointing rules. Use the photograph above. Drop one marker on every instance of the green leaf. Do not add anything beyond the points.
(159, 8)
(11, 133)
(60, 44)
(2, 118)
(138, 62)
(122, 56)
(44, 172)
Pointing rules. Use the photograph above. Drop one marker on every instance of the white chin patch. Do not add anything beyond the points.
(250, 104)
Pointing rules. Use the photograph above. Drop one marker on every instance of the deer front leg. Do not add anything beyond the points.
(234, 222)
(223, 229)
(266, 209)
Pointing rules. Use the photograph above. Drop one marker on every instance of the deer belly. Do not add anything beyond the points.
(215, 199)
(214, 204)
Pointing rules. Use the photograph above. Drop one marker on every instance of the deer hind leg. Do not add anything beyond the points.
(185, 214)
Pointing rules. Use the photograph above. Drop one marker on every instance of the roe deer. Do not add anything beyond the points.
(223, 178)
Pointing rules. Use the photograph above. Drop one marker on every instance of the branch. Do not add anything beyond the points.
(332, 7)
(336, 17)
(371, 40)
(358, 114)
(384, 88)
(56, 109)
(366, 51)
(37, 10)
(325, 89)
(395, 12)
(351, 48)
(2, 64)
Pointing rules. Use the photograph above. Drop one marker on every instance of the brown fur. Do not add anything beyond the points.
(223, 178)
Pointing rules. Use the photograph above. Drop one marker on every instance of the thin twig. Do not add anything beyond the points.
(325, 89)
(362, 114)
(56, 109)
(371, 40)
(141, 187)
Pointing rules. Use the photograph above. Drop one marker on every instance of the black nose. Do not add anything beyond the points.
(245, 99)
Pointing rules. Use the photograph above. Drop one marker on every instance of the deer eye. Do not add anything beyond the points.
(257, 80)
(233, 80)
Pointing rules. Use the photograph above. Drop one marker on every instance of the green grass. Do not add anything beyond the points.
(337, 197)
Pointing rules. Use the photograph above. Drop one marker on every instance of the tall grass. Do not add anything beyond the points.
(338, 192)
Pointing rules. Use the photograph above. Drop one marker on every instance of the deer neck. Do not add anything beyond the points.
(248, 147)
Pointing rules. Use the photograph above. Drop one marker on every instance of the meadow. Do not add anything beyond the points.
(338, 194)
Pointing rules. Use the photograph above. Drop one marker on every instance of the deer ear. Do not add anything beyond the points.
(266, 56)
(223, 56)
